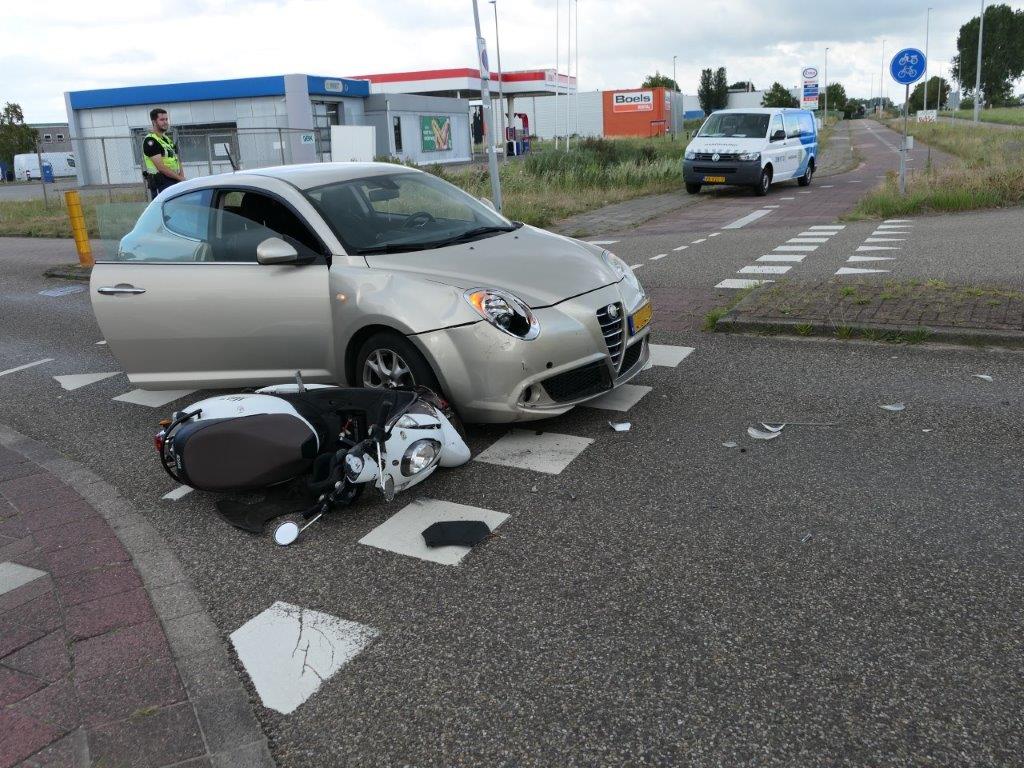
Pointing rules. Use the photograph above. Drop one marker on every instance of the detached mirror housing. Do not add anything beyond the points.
(779, 136)
(274, 250)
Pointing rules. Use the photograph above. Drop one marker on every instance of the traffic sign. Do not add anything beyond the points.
(907, 66)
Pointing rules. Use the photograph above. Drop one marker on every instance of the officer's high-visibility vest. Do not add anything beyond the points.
(170, 156)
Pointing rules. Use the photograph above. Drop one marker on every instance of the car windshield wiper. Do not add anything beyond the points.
(468, 235)
(391, 248)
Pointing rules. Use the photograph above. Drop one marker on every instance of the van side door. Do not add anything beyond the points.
(776, 153)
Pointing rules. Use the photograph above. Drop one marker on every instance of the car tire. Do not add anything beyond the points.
(388, 354)
(693, 188)
(766, 182)
(805, 180)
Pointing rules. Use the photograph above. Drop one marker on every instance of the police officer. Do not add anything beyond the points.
(160, 155)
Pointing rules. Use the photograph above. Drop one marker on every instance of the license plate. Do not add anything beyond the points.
(640, 319)
(714, 179)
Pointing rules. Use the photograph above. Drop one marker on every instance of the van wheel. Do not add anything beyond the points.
(388, 360)
(766, 183)
(693, 188)
(805, 180)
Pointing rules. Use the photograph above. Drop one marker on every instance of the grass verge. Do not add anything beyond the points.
(1002, 115)
(111, 218)
(988, 173)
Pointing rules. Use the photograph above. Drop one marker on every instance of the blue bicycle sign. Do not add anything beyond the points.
(907, 66)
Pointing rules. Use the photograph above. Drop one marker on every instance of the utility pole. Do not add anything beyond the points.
(485, 93)
(558, 51)
(977, 74)
(826, 89)
(568, 66)
(927, 30)
(881, 77)
(501, 86)
(576, 80)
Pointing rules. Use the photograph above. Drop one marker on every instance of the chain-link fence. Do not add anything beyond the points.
(116, 161)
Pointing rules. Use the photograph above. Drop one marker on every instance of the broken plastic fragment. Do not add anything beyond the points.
(805, 539)
(730, 444)
(534, 489)
(773, 427)
(620, 426)
(983, 376)
(894, 407)
(927, 430)
(758, 434)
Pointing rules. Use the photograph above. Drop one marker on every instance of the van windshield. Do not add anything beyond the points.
(735, 125)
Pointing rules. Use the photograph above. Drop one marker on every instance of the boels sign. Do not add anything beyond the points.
(633, 101)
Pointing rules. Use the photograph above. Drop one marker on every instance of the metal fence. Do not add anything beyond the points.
(116, 161)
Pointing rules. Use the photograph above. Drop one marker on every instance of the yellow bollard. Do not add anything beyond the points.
(78, 229)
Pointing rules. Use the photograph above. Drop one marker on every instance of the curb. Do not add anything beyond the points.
(222, 707)
(69, 272)
(732, 322)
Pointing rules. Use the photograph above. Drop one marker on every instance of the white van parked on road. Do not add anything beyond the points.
(26, 167)
(752, 147)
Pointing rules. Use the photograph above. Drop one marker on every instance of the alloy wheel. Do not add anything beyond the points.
(385, 369)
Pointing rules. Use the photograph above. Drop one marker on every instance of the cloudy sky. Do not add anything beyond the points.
(102, 44)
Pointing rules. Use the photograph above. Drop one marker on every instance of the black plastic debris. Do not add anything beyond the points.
(252, 515)
(460, 533)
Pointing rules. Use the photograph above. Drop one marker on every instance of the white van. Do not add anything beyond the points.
(752, 147)
(26, 167)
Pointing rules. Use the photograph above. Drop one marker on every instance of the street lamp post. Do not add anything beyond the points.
(501, 88)
(977, 74)
(826, 87)
(881, 77)
(927, 30)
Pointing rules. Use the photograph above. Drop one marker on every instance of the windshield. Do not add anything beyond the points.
(735, 125)
(401, 212)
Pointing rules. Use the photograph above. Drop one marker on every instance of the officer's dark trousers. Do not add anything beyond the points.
(159, 183)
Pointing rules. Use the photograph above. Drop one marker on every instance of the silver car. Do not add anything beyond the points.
(368, 274)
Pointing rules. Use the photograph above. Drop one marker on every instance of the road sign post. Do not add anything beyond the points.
(906, 68)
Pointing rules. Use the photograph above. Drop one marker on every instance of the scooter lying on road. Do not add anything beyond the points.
(343, 438)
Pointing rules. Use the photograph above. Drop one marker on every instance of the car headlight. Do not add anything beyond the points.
(750, 155)
(505, 312)
(621, 268)
(690, 155)
(421, 455)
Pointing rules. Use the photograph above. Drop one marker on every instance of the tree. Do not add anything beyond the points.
(706, 91)
(779, 96)
(721, 86)
(658, 80)
(836, 96)
(917, 95)
(15, 136)
(1002, 55)
(742, 86)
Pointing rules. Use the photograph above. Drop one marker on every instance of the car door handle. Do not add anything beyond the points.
(113, 290)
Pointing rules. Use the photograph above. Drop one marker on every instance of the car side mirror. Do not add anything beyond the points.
(779, 136)
(274, 250)
(488, 203)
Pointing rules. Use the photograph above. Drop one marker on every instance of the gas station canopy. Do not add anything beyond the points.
(465, 83)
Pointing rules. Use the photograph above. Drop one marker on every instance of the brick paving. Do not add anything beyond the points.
(94, 671)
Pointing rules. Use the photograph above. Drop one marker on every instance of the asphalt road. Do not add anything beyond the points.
(842, 595)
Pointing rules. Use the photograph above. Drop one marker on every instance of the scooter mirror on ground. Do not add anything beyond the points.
(286, 533)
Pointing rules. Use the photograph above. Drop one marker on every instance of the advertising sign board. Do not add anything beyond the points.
(927, 116)
(809, 92)
(633, 101)
(435, 133)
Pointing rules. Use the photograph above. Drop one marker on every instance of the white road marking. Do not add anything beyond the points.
(734, 282)
(547, 452)
(27, 365)
(787, 198)
(764, 270)
(856, 271)
(289, 652)
(681, 248)
(885, 240)
(898, 221)
(825, 235)
(699, 240)
(602, 242)
(667, 355)
(635, 266)
(854, 182)
(798, 248)
(402, 533)
(828, 226)
(153, 398)
(803, 193)
(862, 248)
(782, 257)
(807, 240)
(773, 206)
(714, 234)
(903, 227)
(102, 343)
(77, 380)
(13, 575)
(620, 399)
(826, 186)
(659, 256)
(178, 493)
(871, 258)
(63, 291)
(749, 218)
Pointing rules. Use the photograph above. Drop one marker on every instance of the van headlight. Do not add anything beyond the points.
(690, 155)
(505, 312)
(421, 455)
(750, 156)
(621, 268)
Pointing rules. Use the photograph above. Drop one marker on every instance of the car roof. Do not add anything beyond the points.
(759, 110)
(310, 175)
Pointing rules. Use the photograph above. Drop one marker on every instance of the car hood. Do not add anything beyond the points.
(539, 267)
